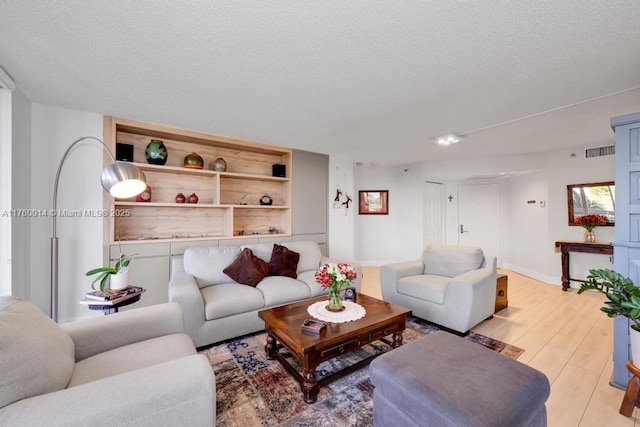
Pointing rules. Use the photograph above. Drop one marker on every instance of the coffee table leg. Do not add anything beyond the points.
(270, 347)
(397, 339)
(309, 385)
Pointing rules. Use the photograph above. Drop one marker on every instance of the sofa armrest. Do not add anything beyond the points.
(476, 279)
(178, 392)
(100, 334)
(394, 272)
(184, 290)
(470, 297)
(357, 267)
(391, 273)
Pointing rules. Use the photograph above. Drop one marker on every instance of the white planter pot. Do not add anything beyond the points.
(120, 281)
(634, 337)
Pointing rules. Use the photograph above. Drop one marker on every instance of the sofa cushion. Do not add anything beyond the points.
(426, 287)
(284, 262)
(228, 299)
(310, 255)
(206, 264)
(131, 357)
(247, 269)
(261, 250)
(451, 261)
(309, 279)
(281, 290)
(36, 355)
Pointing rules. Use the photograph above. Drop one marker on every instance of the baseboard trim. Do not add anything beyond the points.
(550, 280)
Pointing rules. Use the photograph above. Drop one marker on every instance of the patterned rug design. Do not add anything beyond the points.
(254, 391)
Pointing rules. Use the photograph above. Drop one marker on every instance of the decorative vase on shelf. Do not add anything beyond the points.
(180, 198)
(589, 236)
(219, 165)
(335, 302)
(156, 152)
(193, 198)
(193, 161)
(145, 196)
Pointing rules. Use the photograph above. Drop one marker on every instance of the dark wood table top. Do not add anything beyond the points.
(286, 322)
(598, 247)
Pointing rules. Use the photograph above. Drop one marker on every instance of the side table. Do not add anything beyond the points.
(110, 309)
(502, 300)
(591, 248)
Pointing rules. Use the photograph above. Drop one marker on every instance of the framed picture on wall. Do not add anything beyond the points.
(373, 202)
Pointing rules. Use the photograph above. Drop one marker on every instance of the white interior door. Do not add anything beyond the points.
(479, 217)
(433, 213)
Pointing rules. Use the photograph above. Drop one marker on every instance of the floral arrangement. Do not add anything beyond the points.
(335, 276)
(590, 221)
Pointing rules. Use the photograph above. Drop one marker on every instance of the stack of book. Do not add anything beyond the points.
(111, 297)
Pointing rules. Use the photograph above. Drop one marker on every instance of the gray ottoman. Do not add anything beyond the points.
(444, 380)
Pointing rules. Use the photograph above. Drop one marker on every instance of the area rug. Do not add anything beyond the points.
(254, 391)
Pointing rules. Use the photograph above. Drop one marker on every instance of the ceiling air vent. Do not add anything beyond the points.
(609, 150)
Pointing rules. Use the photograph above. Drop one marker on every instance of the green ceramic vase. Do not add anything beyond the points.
(193, 161)
(156, 152)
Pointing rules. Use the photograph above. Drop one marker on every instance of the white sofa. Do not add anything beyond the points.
(217, 308)
(135, 368)
(453, 286)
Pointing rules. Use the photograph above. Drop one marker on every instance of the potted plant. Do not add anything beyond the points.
(623, 300)
(118, 275)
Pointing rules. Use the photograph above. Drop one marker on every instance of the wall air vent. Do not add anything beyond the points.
(609, 150)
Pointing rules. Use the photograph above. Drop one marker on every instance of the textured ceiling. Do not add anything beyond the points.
(373, 80)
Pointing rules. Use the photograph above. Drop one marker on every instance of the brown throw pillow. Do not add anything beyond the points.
(284, 262)
(247, 269)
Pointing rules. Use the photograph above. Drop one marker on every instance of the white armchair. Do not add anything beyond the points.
(452, 286)
(135, 368)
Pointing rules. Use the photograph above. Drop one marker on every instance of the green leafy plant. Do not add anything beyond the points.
(105, 272)
(623, 296)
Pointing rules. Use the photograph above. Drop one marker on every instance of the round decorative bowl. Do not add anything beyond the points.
(193, 161)
(156, 152)
(219, 165)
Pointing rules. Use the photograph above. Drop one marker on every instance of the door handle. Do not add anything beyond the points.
(462, 230)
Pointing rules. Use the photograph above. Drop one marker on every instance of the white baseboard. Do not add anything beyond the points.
(550, 280)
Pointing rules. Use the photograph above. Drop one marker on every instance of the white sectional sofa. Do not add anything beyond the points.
(217, 308)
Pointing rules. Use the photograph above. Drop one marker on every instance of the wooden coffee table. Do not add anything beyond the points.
(283, 326)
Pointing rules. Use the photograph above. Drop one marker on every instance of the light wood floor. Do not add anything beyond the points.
(564, 335)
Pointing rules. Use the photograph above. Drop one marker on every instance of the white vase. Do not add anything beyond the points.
(119, 281)
(634, 337)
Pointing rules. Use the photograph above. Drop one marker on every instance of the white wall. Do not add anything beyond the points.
(341, 221)
(5, 194)
(21, 159)
(398, 236)
(527, 243)
(529, 230)
(80, 238)
(563, 170)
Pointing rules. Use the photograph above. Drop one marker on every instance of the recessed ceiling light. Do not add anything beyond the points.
(448, 139)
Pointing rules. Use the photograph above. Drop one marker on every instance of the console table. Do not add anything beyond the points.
(591, 248)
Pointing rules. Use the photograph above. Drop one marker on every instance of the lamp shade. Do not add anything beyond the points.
(123, 180)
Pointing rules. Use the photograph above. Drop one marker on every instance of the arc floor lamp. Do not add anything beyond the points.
(120, 179)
